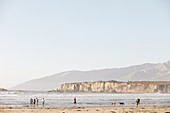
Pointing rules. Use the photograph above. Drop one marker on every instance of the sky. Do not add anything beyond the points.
(43, 37)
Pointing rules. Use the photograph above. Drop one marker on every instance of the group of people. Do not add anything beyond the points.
(35, 101)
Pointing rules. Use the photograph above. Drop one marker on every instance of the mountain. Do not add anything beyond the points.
(144, 72)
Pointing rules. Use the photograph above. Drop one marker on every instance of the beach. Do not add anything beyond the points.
(57, 99)
(92, 109)
(18, 102)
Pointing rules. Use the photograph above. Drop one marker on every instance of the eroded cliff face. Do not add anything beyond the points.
(2, 89)
(117, 87)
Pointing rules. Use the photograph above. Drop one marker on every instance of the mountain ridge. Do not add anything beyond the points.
(144, 72)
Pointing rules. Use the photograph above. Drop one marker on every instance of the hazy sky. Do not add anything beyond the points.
(39, 38)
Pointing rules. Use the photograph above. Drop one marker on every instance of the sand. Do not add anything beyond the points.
(101, 109)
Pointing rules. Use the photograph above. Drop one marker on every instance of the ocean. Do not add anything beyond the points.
(60, 99)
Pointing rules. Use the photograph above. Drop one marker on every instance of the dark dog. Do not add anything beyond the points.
(121, 103)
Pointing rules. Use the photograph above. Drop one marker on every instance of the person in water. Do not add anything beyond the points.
(137, 102)
(74, 100)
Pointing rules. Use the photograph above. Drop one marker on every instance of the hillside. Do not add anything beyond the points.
(144, 72)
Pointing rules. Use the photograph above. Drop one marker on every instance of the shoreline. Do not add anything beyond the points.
(88, 109)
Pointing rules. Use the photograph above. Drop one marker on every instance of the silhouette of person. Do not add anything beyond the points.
(31, 101)
(43, 102)
(37, 101)
(74, 100)
(137, 101)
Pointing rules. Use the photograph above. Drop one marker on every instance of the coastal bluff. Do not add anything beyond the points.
(2, 89)
(118, 87)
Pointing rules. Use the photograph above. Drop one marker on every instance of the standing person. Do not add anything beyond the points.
(74, 100)
(137, 102)
(34, 101)
(43, 102)
(37, 101)
(31, 101)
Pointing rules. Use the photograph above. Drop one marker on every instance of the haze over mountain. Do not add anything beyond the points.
(144, 72)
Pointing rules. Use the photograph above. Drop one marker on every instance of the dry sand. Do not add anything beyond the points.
(113, 109)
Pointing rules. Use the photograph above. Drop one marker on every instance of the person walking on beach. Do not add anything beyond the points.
(74, 100)
(43, 102)
(137, 102)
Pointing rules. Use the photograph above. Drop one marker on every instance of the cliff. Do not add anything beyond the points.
(117, 87)
(2, 89)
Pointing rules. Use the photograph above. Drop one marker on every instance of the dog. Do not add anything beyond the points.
(113, 103)
(121, 103)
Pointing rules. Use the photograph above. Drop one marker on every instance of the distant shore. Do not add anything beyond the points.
(100, 109)
(2, 89)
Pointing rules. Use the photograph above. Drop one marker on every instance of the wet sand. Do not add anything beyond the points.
(101, 109)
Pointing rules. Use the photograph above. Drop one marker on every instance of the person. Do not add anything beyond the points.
(37, 101)
(137, 101)
(31, 101)
(34, 101)
(43, 102)
(74, 100)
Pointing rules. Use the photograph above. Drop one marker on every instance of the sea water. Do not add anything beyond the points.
(59, 99)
